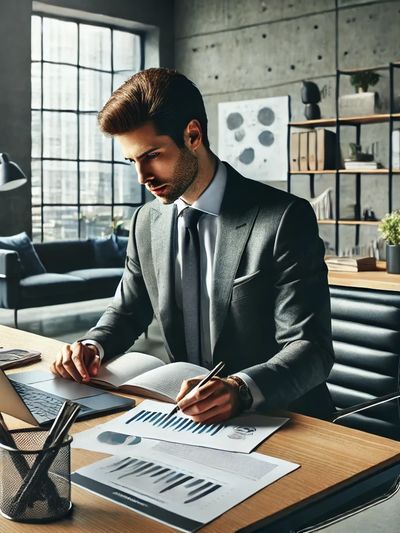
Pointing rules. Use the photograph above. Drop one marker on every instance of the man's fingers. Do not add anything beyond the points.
(196, 395)
(187, 386)
(94, 366)
(77, 361)
(78, 352)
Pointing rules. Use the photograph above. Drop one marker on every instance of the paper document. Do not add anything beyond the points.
(182, 486)
(239, 434)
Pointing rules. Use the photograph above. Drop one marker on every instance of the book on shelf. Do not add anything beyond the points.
(326, 149)
(15, 357)
(350, 264)
(350, 164)
(140, 373)
(295, 151)
(303, 151)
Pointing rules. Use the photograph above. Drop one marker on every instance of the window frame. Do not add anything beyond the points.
(77, 112)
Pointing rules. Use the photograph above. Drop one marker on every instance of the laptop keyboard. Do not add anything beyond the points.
(41, 404)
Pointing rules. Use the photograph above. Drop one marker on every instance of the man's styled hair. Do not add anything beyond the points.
(162, 96)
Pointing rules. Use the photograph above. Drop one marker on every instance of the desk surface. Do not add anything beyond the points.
(373, 279)
(330, 457)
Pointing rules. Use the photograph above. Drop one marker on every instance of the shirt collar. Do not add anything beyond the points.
(211, 199)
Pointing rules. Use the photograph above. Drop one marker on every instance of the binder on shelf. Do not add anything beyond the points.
(396, 148)
(326, 149)
(304, 150)
(312, 150)
(295, 151)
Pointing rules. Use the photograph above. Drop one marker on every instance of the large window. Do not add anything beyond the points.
(81, 184)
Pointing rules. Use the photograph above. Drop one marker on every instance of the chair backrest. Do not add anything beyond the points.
(366, 341)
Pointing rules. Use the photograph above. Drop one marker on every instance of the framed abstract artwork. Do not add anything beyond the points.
(253, 137)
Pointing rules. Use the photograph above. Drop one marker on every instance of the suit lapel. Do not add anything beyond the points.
(235, 223)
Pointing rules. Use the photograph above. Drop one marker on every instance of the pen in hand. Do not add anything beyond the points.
(205, 380)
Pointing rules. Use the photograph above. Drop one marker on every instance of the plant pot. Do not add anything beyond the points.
(393, 258)
(359, 104)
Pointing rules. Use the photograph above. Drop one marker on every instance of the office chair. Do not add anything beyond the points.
(350, 519)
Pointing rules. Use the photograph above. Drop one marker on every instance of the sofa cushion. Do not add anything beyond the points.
(49, 288)
(106, 252)
(99, 282)
(30, 262)
(63, 256)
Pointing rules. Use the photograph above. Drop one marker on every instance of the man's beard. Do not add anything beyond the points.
(185, 173)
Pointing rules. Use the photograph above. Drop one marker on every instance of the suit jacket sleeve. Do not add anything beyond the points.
(301, 311)
(130, 312)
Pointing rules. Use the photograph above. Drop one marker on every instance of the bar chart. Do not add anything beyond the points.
(175, 423)
(160, 478)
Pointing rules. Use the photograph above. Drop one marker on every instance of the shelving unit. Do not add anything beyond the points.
(357, 121)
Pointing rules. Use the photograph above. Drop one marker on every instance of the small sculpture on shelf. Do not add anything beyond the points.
(310, 95)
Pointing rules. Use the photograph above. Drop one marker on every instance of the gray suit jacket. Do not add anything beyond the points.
(270, 308)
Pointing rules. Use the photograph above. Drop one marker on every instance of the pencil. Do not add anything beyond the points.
(205, 380)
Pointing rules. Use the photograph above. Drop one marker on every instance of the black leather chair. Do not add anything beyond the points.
(366, 341)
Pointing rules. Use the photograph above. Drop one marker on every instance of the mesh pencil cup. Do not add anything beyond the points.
(35, 484)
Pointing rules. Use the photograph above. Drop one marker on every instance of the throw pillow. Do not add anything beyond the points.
(30, 262)
(122, 243)
(106, 253)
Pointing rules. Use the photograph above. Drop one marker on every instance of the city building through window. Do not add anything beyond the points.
(81, 185)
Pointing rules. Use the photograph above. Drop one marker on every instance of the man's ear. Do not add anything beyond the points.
(193, 135)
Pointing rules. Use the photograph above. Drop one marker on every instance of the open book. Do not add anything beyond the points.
(140, 373)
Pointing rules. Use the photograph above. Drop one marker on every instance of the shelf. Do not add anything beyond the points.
(384, 171)
(359, 119)
(332, 221)
(368, 171)
(359, 222)
(307, 172)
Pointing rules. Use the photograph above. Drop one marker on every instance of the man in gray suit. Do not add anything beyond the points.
(264, 300)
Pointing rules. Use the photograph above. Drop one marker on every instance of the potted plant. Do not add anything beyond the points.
(389, 228)
(364, 101)
(362, 80)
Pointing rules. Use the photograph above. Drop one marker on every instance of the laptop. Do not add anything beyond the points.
(36, 397)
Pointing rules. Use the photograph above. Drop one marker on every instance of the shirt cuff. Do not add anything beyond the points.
(99, 347)
(258, 397)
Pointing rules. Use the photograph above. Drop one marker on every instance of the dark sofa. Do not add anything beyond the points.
(73, 271)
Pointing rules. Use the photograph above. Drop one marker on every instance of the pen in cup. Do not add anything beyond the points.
(205, 380)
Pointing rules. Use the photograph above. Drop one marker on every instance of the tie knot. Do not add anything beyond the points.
(191, 217)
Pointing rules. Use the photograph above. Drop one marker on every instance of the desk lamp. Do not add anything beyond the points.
(11, 176)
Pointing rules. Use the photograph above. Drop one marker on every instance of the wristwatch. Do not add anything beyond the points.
(245, 397)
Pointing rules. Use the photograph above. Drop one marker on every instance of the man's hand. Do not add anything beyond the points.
(214, 402)
(77, 361)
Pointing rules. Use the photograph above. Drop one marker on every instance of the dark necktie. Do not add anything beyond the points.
(191, 285)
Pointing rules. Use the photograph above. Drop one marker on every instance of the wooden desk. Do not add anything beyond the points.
(332, 459)
(374, 279)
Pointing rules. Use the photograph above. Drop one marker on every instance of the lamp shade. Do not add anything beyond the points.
(11, 176)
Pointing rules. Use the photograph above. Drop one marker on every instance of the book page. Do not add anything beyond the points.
(166, 380)
(121, 369)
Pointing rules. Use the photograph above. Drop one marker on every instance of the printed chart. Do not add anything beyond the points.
(240, 434)
(183, 486)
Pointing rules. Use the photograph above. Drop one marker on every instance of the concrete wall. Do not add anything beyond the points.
(244, 49)
(154, 17)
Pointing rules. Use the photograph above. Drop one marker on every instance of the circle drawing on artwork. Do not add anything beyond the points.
(240, 134)
(266, 116)
(266, 138)
(234, 120)
(247, 156)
